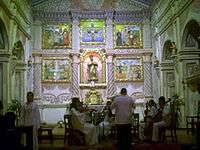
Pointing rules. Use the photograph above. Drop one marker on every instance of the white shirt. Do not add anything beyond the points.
(123, 106)
(31, 115)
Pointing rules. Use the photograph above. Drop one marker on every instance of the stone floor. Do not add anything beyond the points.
(187, 142)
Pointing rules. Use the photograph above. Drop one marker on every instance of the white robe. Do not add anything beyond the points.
(79, 122)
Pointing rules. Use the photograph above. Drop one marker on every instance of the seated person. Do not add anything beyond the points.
(79, 122)
(105, 125)
(146, 126)
(165, 116)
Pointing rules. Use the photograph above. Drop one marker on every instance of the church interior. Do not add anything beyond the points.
(91, 49)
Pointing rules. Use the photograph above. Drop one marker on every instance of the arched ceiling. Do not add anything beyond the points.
(67, 5)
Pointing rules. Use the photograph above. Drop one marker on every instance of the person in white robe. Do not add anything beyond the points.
(31, 117)
(79, 121)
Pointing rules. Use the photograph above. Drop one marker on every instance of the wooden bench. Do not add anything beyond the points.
(49, 135)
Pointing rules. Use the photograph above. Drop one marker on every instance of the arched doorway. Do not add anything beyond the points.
(167, 70)
(190, 55)
(3, 51)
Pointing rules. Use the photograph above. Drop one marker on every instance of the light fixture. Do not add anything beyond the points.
(30, 61)
(156, 62)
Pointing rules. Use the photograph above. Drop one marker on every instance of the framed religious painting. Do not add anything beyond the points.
(56, 36)
(92, 31)
(56, 70)
(128, 69)
(128, 36)
(92, 67)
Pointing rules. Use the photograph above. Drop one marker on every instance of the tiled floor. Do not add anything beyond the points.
(58, 143)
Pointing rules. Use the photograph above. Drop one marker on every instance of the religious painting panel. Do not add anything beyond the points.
(56, 36)
(56, 70)
(92, 31)
(92, 67)
(128, 35)
(128, 69)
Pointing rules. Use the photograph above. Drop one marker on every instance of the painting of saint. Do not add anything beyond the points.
(56, 36)
(56, 70)
(92, 31)
(128, 36)
(128, 69)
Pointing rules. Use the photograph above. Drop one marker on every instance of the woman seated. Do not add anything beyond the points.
(146, 126)
(165, 119)
(78, 120)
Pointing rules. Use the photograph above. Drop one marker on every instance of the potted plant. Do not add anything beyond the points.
(15, 106)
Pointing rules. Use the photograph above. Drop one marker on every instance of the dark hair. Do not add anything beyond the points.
(162, 98)
(123, 91)
(30, 93)
(74, 104)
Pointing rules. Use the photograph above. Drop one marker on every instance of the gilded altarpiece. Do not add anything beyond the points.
(128, 69)
(56, 70)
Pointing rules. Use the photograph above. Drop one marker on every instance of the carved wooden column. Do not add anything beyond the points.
(75, 76)
(109, 31)
(147, 76)
(110, 77)
(37, 87)
(75, 34)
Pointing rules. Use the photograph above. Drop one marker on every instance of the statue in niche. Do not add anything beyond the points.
(17, 50)
(173, 48)
(92, 70)
(93, 97)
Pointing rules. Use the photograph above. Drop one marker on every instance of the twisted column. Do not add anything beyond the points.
(147, 79)
(75, 35)
(37, 87)
(109, 33)
(110, 75)
(75, 75)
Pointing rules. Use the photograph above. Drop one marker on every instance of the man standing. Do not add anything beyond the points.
(31, 116)
(123, 106)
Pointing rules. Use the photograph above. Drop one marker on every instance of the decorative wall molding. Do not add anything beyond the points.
(119, 16)
(51, 16)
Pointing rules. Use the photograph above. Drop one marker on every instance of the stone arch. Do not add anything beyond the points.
(191, 34)
(3, 36)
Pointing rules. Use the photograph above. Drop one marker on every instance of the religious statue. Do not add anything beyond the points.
(92, 70)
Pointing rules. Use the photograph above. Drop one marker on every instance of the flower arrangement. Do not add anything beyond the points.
(178, 100)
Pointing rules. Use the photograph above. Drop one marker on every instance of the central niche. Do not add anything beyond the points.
(92, 68)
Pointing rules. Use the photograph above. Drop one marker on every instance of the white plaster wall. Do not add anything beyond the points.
(52, 115)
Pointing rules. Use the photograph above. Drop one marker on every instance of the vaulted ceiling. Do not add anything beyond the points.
(67, 5)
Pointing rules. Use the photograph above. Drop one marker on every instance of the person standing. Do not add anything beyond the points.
(123, 105)
(31, 117)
